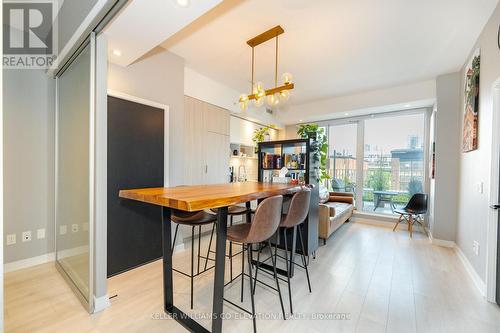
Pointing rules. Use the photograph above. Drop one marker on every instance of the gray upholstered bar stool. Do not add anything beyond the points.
(264, 225)
(293, 220)
(193, 219)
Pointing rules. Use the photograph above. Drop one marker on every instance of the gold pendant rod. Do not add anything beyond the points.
(276, 66)
(274, 90)
(253, 67)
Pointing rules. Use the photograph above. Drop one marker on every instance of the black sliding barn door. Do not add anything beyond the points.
(135, 160)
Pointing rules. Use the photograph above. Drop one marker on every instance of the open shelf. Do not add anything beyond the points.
(275, 155)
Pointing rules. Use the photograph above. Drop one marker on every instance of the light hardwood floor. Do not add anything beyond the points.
(381, 279)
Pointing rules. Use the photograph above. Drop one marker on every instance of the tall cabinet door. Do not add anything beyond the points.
(206, 142)
(195, 143)
(216, 121)
(217, 158)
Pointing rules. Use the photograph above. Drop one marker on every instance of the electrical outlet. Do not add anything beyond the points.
(26, 236)
(74, 228)
(40, 233)
(11, 239)
(63, 229)
(475, 248)
(480, 187)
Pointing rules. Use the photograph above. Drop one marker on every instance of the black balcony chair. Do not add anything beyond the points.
(413, 211)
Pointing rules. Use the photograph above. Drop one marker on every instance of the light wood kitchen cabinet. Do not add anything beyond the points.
(206, 132)
(216, 119)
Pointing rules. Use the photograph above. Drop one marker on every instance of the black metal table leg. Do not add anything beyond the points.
(248, 216)
(220, 256)
(168, 285)
(168, 292)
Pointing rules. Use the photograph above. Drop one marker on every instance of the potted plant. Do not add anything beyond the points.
(261, 135)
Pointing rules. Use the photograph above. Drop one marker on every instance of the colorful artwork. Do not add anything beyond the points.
(471, 104)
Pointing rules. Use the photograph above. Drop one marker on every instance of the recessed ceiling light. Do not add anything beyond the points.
(117, 53)
(300, 120)
(407, 105)
(346, 114)
(183, 3)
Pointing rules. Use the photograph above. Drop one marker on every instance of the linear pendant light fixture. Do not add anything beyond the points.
(277, 94)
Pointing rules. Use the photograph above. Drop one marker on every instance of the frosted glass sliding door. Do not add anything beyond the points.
(74, 171)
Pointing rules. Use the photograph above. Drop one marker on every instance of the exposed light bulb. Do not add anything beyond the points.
(276, 98)
(258, 88)
(243, 102)
(259, 102)
(287, 78)
(243, 97)
(270, 100)
(284, 95)
(243, 105)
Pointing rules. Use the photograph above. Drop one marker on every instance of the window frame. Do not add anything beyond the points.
(360, 147)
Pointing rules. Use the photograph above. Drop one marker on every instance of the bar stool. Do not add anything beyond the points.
(193, 219)
(232, 211)
(264, 225)
(293, 220)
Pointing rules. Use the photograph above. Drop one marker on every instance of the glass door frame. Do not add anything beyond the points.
(360, 147)
(86, 300)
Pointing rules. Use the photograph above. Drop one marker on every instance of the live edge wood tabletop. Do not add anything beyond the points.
(195, 198)
(199, 197)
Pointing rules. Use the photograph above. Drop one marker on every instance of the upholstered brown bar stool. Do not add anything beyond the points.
(293, 220)
(193, 219)
(264, 225)
(232, 211)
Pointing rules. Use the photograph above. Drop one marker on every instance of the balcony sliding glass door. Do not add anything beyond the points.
(342, 157)
(394, 158)
(379, 158)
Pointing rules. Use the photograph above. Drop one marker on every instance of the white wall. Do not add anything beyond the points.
(29, 116)
(447, 138)
(158, 78)
(420, 94)
(473, 211)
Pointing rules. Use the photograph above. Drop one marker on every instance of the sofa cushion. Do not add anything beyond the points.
(324, 195)
(338, 208)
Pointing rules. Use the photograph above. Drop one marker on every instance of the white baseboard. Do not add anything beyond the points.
(378, 222)
(441, 242)
(478, 282)
(42, 259)
(25, 263)
(101, 303)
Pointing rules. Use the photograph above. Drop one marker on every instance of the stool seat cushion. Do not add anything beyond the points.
(233, 210)
(239, 232)
(193, 218)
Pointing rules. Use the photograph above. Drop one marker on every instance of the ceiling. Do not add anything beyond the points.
(333, 47)
(143, 24)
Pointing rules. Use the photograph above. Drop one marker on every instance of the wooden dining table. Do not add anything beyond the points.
(196, 198)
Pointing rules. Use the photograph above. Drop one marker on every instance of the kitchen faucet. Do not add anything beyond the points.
(242, 177)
